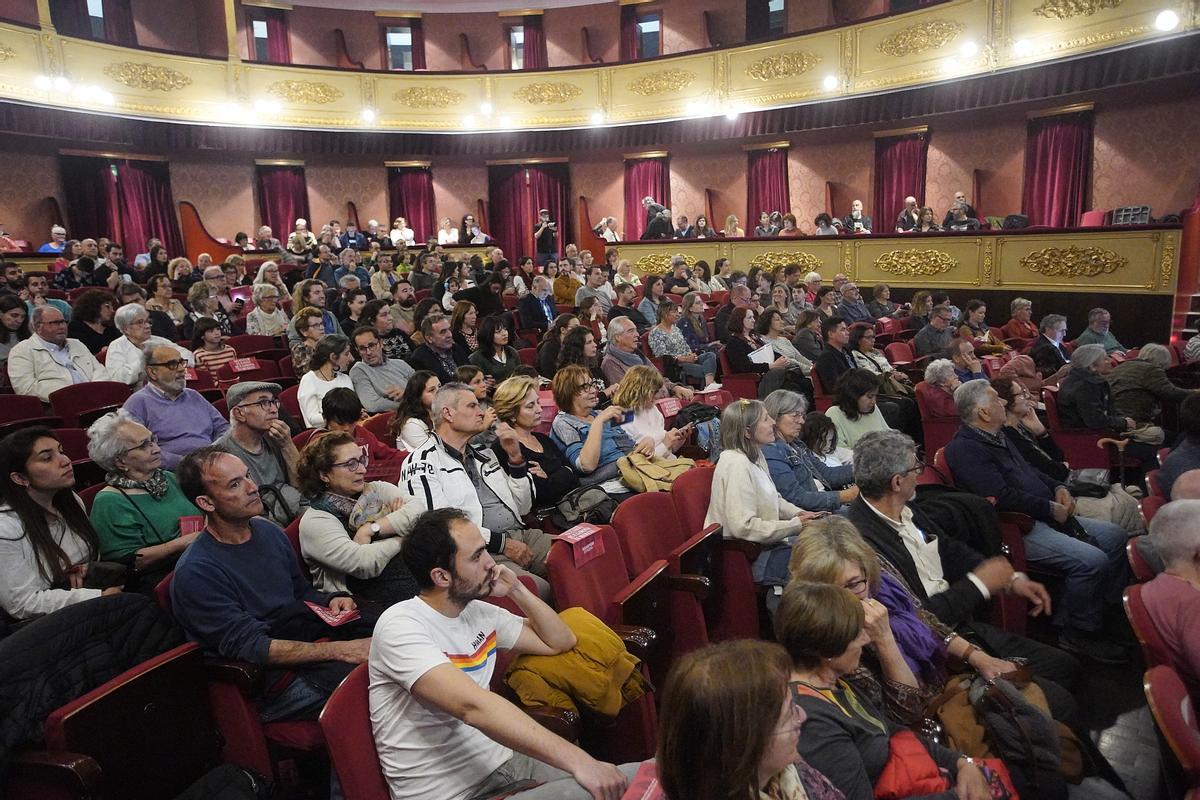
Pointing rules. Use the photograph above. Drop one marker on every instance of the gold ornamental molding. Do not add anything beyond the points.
(398, 14)
(152, 77)
(646, 154)
(667, 80)
(1074, 262)
(782, 65)
(1060, 110)
(428, 97)
(660, 263)
(1065, 9)
(1167, 265)
(915, 263)
(901, 132)
(782, 144)
(544, 93)
(7, 52)
(772, 260)
(920, 38)
(305, 92)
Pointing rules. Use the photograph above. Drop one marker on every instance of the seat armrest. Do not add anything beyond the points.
(750, 549)
(556, 720)
(74, 772)
(639, 640)
(697, 585)
(247, 677)
(1023, 522)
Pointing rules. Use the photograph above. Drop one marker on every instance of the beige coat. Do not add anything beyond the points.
(33, 370)
(746, 503)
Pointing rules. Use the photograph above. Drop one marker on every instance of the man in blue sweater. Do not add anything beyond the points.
(239, 592)
(983, 461)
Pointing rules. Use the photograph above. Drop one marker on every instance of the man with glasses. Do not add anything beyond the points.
(379, 381)
(1049, 354)
(263, 442)
(48, 361)
(934, 338)
(181, 418)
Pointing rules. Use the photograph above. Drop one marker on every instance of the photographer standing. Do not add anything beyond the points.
(545, 234)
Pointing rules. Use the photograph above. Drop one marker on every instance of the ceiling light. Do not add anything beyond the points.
(42, 82)
(61, 84)
(949, 65)
(485, 109)
(731, 114)
(1022, 47)
(468, 121)
(969, 49)
(1166, 20)
(228, 110)
(830, 83)
(597, 117)
(368, 115)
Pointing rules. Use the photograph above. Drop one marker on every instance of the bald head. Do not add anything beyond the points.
(1187, 486)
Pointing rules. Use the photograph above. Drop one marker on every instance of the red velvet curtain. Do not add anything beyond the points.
(629, 33)
(645, 177)
(410, 195)
(279, 47)
(92, 204)
(899, 172)
(70, 18)
(148, 205)
(515, 194)
(766, 183)
(118, 22)
(282, 198)
(535, 43)
(1058, 169)
(418, 45)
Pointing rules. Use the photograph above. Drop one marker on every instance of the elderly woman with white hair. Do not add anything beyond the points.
(140, 514)
(935, 394)
(1021, 325)
(1140, 385)
(268, 272)
(124, 358)
(266, 318)
(1172, 598)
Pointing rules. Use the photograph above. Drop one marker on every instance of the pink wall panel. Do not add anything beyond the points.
(993, 142)
(829, 156)
(167, 24)
(22, 205)
(600, 178)
(486, 32)
(222, 189)
(331, 185)
(313, 40)
(457, 188)
(694, 171)
(20, 11)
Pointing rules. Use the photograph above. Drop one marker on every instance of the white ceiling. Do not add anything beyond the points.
(439, 6)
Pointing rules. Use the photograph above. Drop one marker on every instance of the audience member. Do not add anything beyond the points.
(653, 293)
(835, 358)
(387, 322)
(856, 410)
(92, 320)
(412, 424)
(48, 360)
(936, 392)
(966, 366)
(594, 289)
(1172, 598)
(808, 340)
(266, 318)
(856, 221)
(927, 222)
(447, 471)
(624, 307)
(139, 515)
(910, 216)
(1185, 456)
(263, 442)
(920, 310)
(12, 329)
(592, 441)
(328, 369)
(494, 355)
(1140, 385)
(826, 225)
(622, 354)
(852, 308)
(48, 548)
(894, 383)
(536, 308)
(1097, 332)
(378, 381)
(343, 412)
(37, 286)
(667, 339)
(800, 477)
(162, 299)
(313, 294)
(353, 301)
(959, 221)
(985, 462)
(58, 240)
(439, 353)
(1085, 396)
(125, 354)
(1020, 325)
(636, 395)
(934, 338)
(204, 306)
(517, 404)
(208, 349)
(181, 418)
(1050, 356)
(974, 329)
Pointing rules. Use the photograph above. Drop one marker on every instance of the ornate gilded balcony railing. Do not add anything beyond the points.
(946, 41)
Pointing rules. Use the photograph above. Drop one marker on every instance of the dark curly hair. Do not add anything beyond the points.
(572, 348)
(317, 457)
(87, 306)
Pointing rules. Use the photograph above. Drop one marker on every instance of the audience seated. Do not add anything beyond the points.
(139, 515)
(343, 412)
(592, 441)
(439, 730)
(448, 471)
(835, 358)
(852, 308)
(181, 418)
(48, 360)
(125, 360)
(37, 286)
(934, 338)
(58, 240)
(378, 381)
(771, 328)
(411, 424)
(494, 355)
(1097, 332)
(1085, 401)
(92, 320)
(517, 404)
(636, 394)
(974, 329)
(967, 366)
(1049, 354)
(203, 304)
(208, 348)
(623, 353)
(48, 547)
(327, 370)
(537, 306)
(862, 346)
(389, 323)
(985, 462)
(1140, 385)
(856, 410)
(263, 442)
(801, 478)
(439, 353)
(1020, 326)
(351, 532)
(856, 221)
(937, 390)
(1172, 598)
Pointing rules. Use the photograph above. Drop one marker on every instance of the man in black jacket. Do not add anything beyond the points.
(950, 579)
(537, 306)
(835, 359)
(1048, 353)
(440, 354)
(660, 226)
(624, 307)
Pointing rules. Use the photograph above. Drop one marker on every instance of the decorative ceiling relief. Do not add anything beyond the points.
(1073, 262)
(783, 65)
(428, 97)
(305, 92)
(915, 263)
(667, 80)
(147, 76)
(1065, 9)
(546, 93)
(920, 38)
(7, 52)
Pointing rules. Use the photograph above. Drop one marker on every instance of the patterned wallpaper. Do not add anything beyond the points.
(1146, 154)
(812, 162)
(725, 173)
(23, 209)
(456, 188)
(222, 191)
(331, 185)
(996, 146)
(601, 179)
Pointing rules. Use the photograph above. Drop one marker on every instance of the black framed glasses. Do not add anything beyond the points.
(173, 364)
(148, 443)
(353, 464)
(266, 404)
(916, 468)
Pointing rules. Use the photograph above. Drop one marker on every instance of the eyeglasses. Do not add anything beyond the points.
(794, 723)
(855, 586)
(916, 468)
(372, 345)
(266, 404)
(318, 324)
(586, 387)
(151, 442)
(353, 464)
(173, 364)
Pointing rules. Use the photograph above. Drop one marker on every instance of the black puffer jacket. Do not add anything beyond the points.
(55, 659)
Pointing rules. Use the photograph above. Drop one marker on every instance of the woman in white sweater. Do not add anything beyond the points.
(350, 535)
(329, 369)
(744, 501)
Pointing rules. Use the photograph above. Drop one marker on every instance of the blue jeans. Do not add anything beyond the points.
(705, 364)
(1095, 575)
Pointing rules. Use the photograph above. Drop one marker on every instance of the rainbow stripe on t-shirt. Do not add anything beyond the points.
(478, 659)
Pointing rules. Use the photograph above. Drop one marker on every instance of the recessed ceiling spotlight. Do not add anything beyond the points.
(1022, 47)
(830, 83)
(368, 115)
(485, 109)
(968, 49)
(1166, 20)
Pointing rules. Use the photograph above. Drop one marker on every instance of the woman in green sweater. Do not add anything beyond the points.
(139, 514)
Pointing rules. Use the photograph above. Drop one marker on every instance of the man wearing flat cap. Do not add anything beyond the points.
(264, 444)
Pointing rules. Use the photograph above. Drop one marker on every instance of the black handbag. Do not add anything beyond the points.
(1088, 482)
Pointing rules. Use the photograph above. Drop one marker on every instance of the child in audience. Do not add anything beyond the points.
(211, 351)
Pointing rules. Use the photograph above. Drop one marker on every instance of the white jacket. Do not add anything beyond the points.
(124, 359)
(32, 370)
(746, 503)
(432, 474)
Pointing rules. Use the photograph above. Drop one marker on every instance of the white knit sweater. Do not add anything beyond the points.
(746, 503)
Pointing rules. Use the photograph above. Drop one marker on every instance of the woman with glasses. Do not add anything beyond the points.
(124, 360)
(266, 318)
(350, 536)
(162, 298)
(592, 441)
(139, 515)
(328, 369)
(310, 324)
(801, 477)
(204, 303)
(516, 403)
(47, 542)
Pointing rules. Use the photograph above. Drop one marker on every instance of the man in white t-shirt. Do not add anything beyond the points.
(439, 730)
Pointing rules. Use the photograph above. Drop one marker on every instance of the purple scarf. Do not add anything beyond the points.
(923, 651)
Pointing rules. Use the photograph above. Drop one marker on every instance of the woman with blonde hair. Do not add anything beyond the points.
(731, 229)
(517, 405)
(447, 233)
(637, 392)
(625, 275)
(183, 275)
(311, 329)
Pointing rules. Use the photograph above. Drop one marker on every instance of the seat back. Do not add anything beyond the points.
(899, 353)
(378, 424)
(940, 464)
(74, 442)
(1078, 444)
(1153, 484)
(1150, 507)
(150, 728)
(265, 371)
(88, 496)
(20, 406)
(822, 399)
(346, 721)
(527, 356)
(289, 399)
(1154, 649)
(593, 585)
(1094, 218)
(292, 531)
(739, 384)
(248, 344)
(72, 401)
(690, 493)
(647, 528)
(1175, 716)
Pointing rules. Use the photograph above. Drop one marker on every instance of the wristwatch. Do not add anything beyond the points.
(375, 530)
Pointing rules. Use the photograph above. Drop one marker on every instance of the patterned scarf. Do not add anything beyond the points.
(156, 485)
(338, 505)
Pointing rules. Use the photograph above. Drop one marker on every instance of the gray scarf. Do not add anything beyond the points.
(634, 359)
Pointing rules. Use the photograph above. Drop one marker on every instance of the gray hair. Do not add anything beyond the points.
(1019, 303)
(939, 371)
(1174, 533)
(261, 277)
(737, 419)
(616, 326)
(1095, 314)
(1156, 354)
(447, 397)
(1086, 356)
(349, 282)
(539, 280)
(262, 290)
(812, 276)
(678, 261)
(213, 272)
(879, 456)
(127, 313)
(35, 318)
(264, 229)
(1051, 321)
(969, 397)
(105, 445)
(783, 401)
